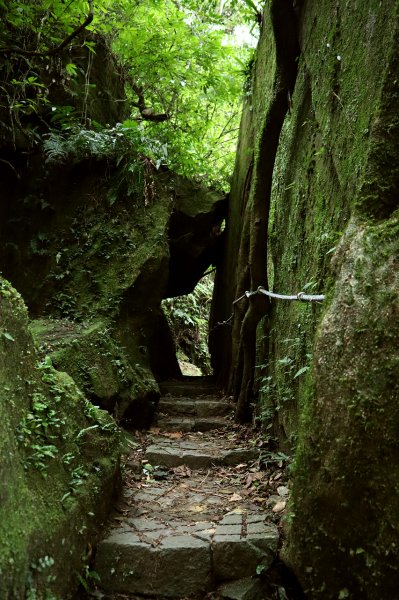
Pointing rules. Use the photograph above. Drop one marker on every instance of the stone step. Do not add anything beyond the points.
(189, 388)
(175, 556)
(204, 407)
(185, 424)
(189, 527)
(198, 454)
(248, 588)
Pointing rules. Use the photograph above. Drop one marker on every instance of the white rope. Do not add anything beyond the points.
(301, 296)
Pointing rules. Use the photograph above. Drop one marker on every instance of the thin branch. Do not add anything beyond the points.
(6, 162)
(61, 46)
(146, 114)
(224, 132)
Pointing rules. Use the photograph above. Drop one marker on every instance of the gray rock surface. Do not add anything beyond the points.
(248, 588)
(176, 566)
(203, 407)
(238, 548)
(176, 558)
(190, 424)
(193, 528)
(197, 455)
(191, 388)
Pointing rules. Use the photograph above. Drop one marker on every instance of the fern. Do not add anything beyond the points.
(79, 144)
(124, 144)
(55, 148)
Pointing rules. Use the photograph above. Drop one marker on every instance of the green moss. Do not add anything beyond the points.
(106, 257)
(336, 171)
(56, 488)
(103, 369)
(326, 148)
(348, 437)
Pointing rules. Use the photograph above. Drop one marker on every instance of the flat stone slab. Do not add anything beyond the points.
(178, 558)
(197, 455)
(240, 547)
(177, 566)
(201, 387)
(191, 407)
(186, 424)
(248, 588)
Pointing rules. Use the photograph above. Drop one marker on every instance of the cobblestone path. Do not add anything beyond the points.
(186, 526)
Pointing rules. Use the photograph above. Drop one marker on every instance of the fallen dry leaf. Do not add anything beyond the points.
(235, 498)
(182, 471)
(173, 435)
(238, 510)
(253, 477)
(197, 508)
(259, 500)
(280, 506)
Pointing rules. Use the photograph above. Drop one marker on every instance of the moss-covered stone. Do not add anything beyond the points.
(345, 526)
(59, 459)
(97, 269)
(325, 373)
(101, 367)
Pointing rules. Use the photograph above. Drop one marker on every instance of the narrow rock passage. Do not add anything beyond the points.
(190, 523)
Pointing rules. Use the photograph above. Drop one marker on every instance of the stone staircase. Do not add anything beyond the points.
(203, 410)
(183, 529)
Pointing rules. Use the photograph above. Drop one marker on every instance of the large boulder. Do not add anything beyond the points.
(326, 387)
(100, 247)
(59, 465)
(122, 384)
(344, 531)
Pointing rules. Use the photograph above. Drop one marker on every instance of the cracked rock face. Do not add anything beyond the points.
(94, 273)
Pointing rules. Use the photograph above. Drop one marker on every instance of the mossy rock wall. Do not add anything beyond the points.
(325, 388)
(93, 267)
(94, 236)
(344, 524)
(59, 464)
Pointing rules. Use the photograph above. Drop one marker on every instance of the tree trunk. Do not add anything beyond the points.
(256, 220)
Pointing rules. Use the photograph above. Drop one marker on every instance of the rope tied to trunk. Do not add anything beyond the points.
(300, 296)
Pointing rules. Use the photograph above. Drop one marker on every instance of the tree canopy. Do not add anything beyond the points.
(184, 64)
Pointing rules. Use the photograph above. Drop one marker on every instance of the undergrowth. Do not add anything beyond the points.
(188, 318)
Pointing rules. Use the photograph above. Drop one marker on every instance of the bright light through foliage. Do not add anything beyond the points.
(189, 61)
(184, 67)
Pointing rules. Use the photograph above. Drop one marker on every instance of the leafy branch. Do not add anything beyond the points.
(147, 114)
(56, 49)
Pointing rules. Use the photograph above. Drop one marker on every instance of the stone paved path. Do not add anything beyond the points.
(186, 526)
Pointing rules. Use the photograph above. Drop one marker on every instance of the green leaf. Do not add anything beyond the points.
(71, 69)
(8, 336)
(301, 371)
(260, 569)
(90, 46)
